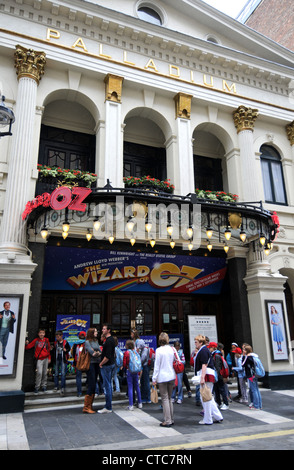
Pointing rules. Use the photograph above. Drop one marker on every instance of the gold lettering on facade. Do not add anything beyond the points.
(211, 85)
(226, 87)
(52, 34)
(101, 52)
(80, 43)
(125, 60)
(174, 71)
(151, 65)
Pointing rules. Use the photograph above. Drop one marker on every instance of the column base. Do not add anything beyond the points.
(281, 380)
(12, 402)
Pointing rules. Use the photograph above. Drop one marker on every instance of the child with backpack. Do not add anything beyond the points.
(250, 373)
(132, 364)
(241, 376)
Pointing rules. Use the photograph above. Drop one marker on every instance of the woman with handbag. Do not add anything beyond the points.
(93, 349)
(164, 375)
(204, 367)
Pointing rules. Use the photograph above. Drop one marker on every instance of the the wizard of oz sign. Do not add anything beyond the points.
(117, 271)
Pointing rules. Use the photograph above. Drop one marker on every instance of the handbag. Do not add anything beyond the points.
(154, 394)
(196, 380)
(177, 364)
(83, 363)
(205, 393)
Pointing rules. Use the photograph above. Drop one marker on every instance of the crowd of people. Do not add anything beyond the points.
(213, 371)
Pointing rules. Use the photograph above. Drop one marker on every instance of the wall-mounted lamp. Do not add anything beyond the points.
(6, 118)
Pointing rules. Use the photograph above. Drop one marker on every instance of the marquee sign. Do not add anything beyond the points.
(61, 198)
(118, 271)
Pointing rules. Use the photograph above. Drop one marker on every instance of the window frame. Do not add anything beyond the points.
(270, 158)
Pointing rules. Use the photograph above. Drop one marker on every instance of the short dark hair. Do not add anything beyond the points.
(130, 344)
(59, 332)
(108, 326)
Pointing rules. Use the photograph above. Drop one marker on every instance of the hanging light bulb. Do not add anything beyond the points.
(96, 224)
(262, 239)
(267, 251)
(209, 246)
(44, 233)
(228, 233)
(65, 226)
(88, 235)
(148, 226)
(243, 236)
(133, 241)
(226, 248)
(152, 242)
(209, 232)
(190, 231)
(270, 245)
(130, 223)
(170, 229)
(190, 246)
(111, 239)
(64, 234)
(172, 244)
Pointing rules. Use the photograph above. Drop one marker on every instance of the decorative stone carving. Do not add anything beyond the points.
(29, 63)
(113, 87)
(183, 105)
(290, 132)
(244, 118)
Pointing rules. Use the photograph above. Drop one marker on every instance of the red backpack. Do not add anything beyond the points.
(224, 372)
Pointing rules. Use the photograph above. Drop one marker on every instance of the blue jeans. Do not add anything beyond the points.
(179, 387)
(116, 379)
(132, 380)
(92, 375)
(255, 393)
(60, 364)
(106, 372)
(145, 384)
(79, 380)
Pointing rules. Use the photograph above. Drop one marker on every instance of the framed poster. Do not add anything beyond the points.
(276, 321)
(10, 321)
(202, 325)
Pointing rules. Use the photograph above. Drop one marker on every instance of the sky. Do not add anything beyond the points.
(229, 7)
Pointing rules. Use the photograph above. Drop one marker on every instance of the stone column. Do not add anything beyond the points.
(289, 175)
(183, 177)
(244, 119)
(16, 265)
(113, 166)
(29, 68)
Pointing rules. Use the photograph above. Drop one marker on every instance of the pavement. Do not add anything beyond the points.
(123, 433)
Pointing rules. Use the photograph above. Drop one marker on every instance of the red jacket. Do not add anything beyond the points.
(126, 359)
(42, 348)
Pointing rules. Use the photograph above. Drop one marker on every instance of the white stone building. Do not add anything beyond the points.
(172, 89)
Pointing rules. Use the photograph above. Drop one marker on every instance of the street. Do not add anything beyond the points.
(271, 428)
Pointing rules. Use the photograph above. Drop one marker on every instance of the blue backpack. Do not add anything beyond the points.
(258, 367)
(135, 365)
(118, 357)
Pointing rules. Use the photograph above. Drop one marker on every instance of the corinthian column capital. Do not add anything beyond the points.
(244, 118)
(29, 63)
(290, 132)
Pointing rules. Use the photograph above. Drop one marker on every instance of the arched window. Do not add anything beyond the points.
(150, 15)
(272, 175)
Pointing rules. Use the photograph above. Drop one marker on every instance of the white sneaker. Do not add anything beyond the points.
(130, 408)
(224, 407)
(140, 405)
(104, 411)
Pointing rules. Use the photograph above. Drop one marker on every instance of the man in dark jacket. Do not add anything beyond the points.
(7, 320)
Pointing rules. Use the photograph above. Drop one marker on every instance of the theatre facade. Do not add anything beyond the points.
(148, 178)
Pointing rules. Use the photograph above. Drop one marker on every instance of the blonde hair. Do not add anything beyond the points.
(163, 339)
(201, 339)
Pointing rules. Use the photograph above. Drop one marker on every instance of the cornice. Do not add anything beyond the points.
(96, 16)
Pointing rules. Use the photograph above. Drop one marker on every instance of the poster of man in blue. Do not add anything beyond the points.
(72, 325)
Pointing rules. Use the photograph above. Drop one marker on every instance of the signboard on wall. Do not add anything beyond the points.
(202, 325)
(117, 271)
